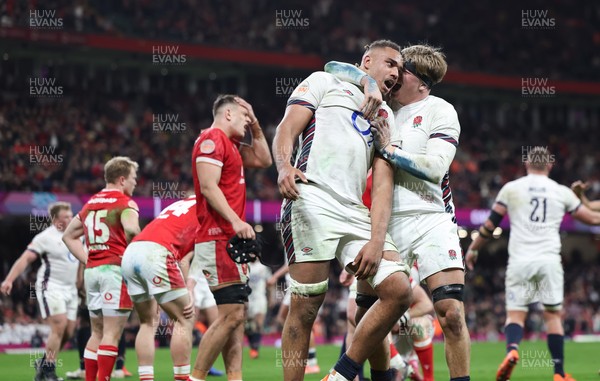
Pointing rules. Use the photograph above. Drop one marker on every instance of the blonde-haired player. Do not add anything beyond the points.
(108, 221)
(55, 287)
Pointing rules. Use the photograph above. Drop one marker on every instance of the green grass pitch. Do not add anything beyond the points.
(582, 361)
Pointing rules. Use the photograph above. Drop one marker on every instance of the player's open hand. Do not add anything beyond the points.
(6, 287)
(579, 187)
(287, 182)
(367, 261)
(471, 258)
(381, 132)
(243, 230)
(373, 98)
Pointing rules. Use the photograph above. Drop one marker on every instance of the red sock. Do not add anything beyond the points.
(90, 359)
(425, 355)
(393, 351)
(107, 356)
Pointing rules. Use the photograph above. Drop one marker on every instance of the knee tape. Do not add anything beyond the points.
(310, 289)
(450, 291)
(387, 268)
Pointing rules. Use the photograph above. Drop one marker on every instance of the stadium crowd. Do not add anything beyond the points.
(513, 40)
(88, 130)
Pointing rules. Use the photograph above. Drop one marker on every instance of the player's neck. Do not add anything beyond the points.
(223, 127)
(537, 172)
(114, 187)
(417, 98)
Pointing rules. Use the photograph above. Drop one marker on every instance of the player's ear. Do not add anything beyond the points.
(366, 61)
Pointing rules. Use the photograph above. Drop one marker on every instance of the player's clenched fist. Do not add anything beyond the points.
(243, 230)
(6, 287)
(287, 181)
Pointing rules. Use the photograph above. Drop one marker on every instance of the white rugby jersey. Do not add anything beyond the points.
(536, 205)
(59, 266)
(259, 275)
(336, 147)
(416, 125)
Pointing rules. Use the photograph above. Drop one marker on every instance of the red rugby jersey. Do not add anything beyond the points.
(214, 147)
(174, 228)
(103, 231)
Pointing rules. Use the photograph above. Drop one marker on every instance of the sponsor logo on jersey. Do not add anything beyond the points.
(417, 121)
(108, 296)
(207, 146)
(156, 280)
(300, 90)
(348, 92)
(307, 250)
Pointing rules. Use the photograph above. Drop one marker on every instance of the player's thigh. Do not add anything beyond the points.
(58, 323)
(519, 291)
(551, 285)
(51, 300)
(147, 311)
(203, 297)
(114, 325)
(212, 260)
(312, 226)
(174, 308)
(438, 247)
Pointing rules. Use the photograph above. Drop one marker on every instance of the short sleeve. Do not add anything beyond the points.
(210, 149)
(310, 92)
(37, 244)
(570, 199)
(504, 195)
(446, 126)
